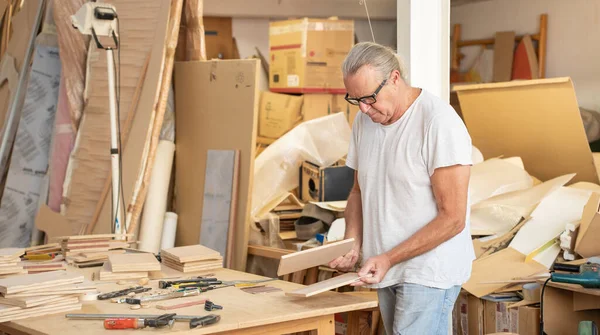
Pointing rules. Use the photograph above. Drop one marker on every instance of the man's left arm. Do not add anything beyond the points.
(450, 188)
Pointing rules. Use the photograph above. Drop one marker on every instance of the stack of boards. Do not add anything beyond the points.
(43, 258)
(129, 266)
(10, 259)
(192, 258)
(39, 294)
(91, 250)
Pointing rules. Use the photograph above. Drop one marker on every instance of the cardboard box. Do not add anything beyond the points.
(306, 55)
(331, 183)
(219, 37)
(537, 120)
(318, 105)
(278, 113)
(498, 318)
(529, 320)
(587, 244)
(560, 318)
(467, 316)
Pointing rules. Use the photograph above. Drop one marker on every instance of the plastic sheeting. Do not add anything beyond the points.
(322, 141)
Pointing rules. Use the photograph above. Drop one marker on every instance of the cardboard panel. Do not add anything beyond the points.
(537, 120)
(219, 37)
(559, 315)
(217, 108)
(589, 229)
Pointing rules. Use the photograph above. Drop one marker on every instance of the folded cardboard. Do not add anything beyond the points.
(306, 55)
(537, 120)
(217, 109)
(589, 229)
(330, 183)
(278, 113)
(318, 105)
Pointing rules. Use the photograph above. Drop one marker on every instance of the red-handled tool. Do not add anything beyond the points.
(136, 323)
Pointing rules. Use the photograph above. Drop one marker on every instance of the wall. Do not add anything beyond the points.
(573, 36)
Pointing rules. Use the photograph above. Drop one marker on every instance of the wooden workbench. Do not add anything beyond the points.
(243, 313)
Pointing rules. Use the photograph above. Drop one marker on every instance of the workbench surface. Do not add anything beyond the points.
(241, 310)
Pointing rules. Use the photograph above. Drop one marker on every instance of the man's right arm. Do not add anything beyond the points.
(354, 223)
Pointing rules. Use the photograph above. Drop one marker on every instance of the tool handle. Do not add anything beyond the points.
(204, 321)
(123, 323)
(566, 267)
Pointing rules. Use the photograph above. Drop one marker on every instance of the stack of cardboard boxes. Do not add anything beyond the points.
(305, 77)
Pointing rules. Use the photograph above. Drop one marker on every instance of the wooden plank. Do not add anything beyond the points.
(504, 47)
(11, 253)
(134, 262)
(40, 311)
(142, 31)
(233, 210)
(324, 286)
(190, 253)
(313, 257)
(268, 252)
(200, 129)
(38, 281)
(27, 302)
(64, 289)
(218, 187)
(149, 148)
(106, 273)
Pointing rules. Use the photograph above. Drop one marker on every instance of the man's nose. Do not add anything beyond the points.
(364, 107)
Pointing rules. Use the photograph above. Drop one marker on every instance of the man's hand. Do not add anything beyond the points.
(346, 262)
(374, 270)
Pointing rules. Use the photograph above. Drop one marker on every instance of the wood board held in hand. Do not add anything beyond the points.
(313, 257)
(325, 285)
(537, 120)
(134, 262)
(202, 88)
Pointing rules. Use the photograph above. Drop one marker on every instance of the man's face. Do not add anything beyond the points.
(365, 82)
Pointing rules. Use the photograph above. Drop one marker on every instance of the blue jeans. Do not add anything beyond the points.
(411, 309)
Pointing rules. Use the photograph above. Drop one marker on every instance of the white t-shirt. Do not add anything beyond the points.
(395, 163)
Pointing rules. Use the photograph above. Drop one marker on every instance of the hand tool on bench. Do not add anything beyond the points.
(244, 283)
(120, 293)
(168, 283)
(136, 323)
(158, 297)
(204, 321)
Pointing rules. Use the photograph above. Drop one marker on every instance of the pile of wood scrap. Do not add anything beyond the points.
(129, 266)
(10, 259)
(192, 258)
(35, 295)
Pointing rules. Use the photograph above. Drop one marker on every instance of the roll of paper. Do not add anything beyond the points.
(169, 230)
(156, 201)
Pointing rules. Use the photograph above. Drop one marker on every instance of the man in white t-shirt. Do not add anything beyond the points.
(408, 209)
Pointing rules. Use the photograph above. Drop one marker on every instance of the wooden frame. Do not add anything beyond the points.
(541, 36)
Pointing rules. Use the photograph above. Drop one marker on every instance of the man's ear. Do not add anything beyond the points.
(395, 77)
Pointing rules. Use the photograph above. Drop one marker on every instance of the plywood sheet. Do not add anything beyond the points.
(504, 47)
(143, 25)
(190, 253)
(218, 188)
(325, 285)
(23, 283)
(313, 257)
(26, 302)
(134, 262)
(201, 89)
(23, 24)
(73, 47)
(39, 311)
(106, 273)
(537, 120)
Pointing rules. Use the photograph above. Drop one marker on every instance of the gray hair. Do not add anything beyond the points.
(382, 58)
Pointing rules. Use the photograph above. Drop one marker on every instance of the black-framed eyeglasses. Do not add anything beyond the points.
(368, 99)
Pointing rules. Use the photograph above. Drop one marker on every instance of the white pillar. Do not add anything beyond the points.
(429, 43)
(403, 32)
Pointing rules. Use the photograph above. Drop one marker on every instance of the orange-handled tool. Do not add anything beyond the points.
(123, 323)
(136, 323)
